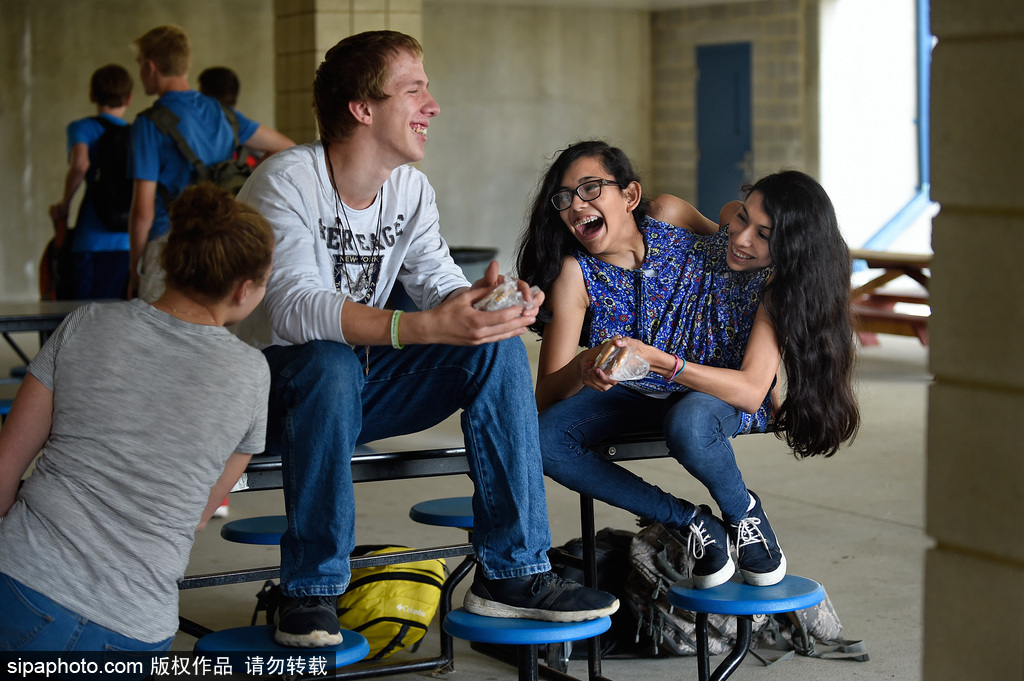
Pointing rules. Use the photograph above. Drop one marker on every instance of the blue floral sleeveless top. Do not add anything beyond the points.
(684, 300)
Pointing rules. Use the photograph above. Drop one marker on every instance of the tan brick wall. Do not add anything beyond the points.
(303, 32)
(782, 34)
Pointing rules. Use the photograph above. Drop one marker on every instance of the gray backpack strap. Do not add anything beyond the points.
(166, 122)
(240, 152)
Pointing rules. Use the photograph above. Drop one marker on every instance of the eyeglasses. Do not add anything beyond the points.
(588, 191)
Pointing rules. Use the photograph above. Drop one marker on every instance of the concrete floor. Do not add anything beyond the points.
(854, 522)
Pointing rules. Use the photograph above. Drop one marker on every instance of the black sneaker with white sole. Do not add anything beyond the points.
(708, 543)
(762, 562)
(544, 596)
(308, 622)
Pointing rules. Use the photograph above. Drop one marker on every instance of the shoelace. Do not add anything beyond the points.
(546, 579)
(314, 601)
(699, 539)
(750, 533)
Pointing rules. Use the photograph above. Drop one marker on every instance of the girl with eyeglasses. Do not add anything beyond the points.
(716, 313)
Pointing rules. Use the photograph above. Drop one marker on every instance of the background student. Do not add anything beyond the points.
(100, 233)
(159, 169)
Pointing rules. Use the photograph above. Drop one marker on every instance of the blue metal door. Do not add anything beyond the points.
(725, 158)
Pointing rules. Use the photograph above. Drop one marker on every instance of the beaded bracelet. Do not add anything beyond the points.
(394, 330)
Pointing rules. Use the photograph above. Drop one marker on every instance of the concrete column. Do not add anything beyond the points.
(974, 597)
(303, 32)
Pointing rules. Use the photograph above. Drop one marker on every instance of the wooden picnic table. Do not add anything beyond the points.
(874, 308)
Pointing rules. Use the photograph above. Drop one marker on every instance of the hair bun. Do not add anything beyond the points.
(204, 207)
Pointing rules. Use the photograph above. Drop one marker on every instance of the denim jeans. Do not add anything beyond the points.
(696, 426)
(323, 403)
(31, 621)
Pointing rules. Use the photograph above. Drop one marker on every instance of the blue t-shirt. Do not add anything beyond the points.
(91, 235)
(684, 300)
(155, 156)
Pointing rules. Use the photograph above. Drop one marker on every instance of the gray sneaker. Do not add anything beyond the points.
(544, 596)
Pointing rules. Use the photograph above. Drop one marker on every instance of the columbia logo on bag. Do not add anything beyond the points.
(409, 610)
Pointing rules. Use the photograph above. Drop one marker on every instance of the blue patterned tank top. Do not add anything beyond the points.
(684, 300)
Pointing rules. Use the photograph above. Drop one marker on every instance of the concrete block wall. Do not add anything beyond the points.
(303, 32)
(974, 628)
(50, 49)
(515, 84)
(782, 34)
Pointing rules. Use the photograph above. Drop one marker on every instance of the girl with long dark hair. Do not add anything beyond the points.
(716, 316)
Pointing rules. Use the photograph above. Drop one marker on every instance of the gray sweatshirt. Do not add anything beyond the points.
(327, 252)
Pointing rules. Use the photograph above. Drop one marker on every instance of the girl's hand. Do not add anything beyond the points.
(594, 377)
(586, 371)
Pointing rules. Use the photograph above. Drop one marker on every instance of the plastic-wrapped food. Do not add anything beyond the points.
(505, 295)
(620, 363)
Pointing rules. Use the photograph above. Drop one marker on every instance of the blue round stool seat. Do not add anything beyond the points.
(448, 512)
(265, 529)
(526, 635)
(260, 640)
(507, 630)
(736, 597)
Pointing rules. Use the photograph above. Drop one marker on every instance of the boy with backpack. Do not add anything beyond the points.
(98, 148)
(158, 166)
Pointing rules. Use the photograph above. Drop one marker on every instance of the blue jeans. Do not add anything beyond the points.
(31, 621)
(101, 275)
(696, 426)
(323, 404)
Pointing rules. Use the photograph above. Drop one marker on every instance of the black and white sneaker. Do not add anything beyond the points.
(308, 622)
(762, 562)
(709, 545)
(544, 596)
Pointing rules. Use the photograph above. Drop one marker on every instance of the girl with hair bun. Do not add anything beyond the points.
(216, 244)
(715, 316)
(143, 417)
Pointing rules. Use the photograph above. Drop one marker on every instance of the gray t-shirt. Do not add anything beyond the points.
(147, 409)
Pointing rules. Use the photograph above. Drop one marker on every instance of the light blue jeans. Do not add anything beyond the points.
(697, 428)
(323, 404)
(34, 622)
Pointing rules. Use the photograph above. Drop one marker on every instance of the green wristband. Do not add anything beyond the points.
(394, 330)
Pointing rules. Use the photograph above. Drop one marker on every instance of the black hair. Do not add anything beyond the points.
(546, 241)
(221, 83)
(110, 86)
(808, 300)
